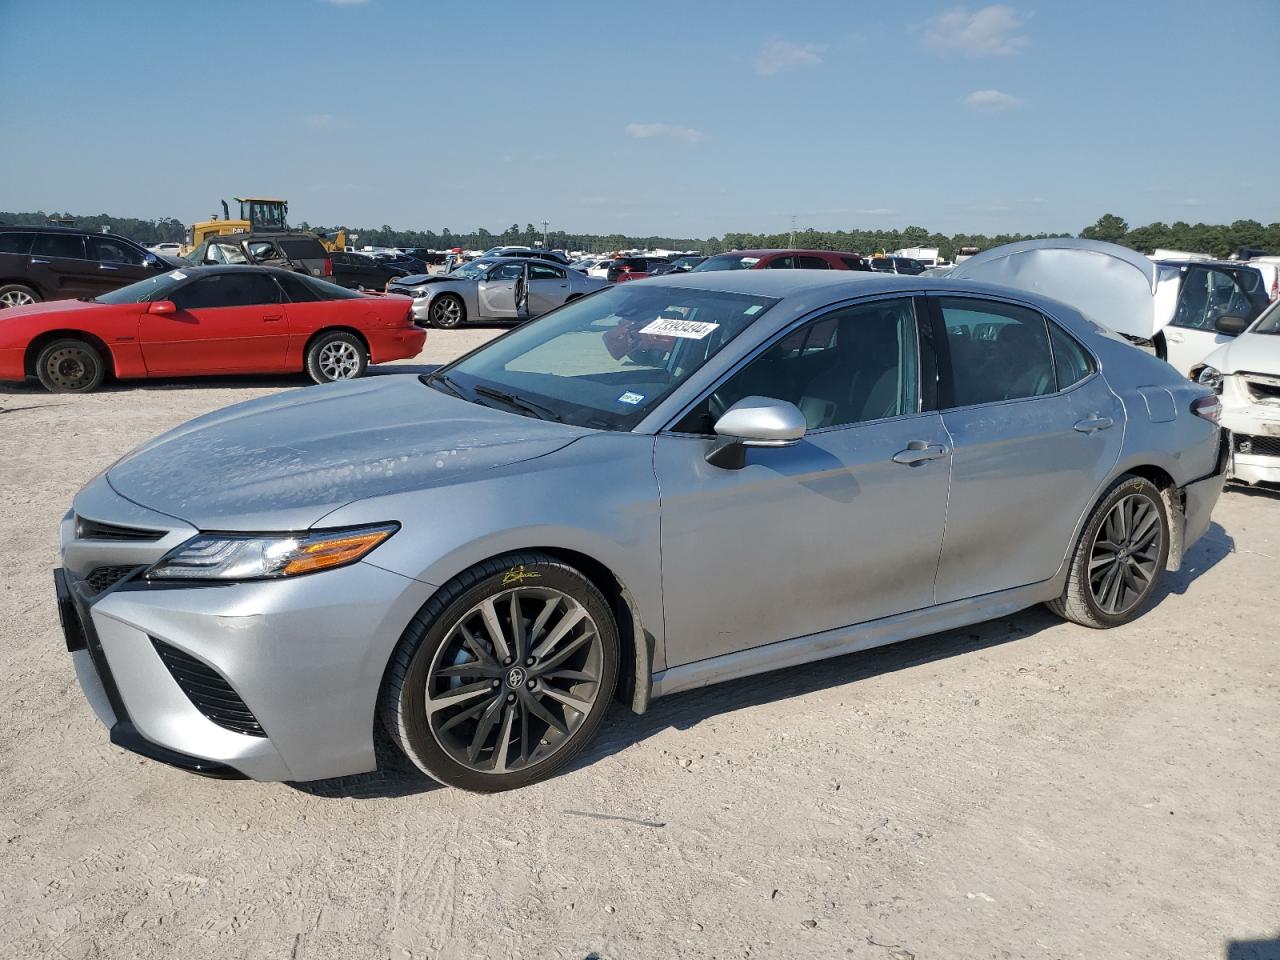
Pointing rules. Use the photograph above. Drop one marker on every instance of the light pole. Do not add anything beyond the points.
(544, 234)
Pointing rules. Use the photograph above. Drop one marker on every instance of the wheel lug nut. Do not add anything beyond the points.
(511, 698)
(532, 684)
(497, 684)
(530, 662)
(506, 662)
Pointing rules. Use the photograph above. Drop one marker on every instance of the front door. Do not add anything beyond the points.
(118, 264)
(500, 293)
(1035, 432)
(1206, 293)
(224, 323)
(830, 532)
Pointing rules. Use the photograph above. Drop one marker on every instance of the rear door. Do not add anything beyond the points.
(15, 263)
(1035, 431)
(119, 264)
(61, 267)
(808, 262)
(548, 287)
(1206, 293)
(225, 323)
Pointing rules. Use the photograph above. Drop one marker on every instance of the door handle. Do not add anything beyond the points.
(34, 261)
(273, 317)
(103, 266)
(1173, 337)
(918, 451)
(1093, 423)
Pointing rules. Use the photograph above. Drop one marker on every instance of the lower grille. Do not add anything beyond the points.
(102, 578)
(1256, 446)
(209, 691)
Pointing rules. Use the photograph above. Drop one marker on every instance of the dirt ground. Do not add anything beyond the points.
(1024, 788)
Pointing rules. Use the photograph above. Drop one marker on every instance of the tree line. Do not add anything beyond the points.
(1220, 240)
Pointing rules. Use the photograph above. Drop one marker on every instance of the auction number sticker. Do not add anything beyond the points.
(670, 327)
(178, 275)
(631, 398)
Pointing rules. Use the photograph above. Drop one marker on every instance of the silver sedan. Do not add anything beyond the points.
(489, 289)
(675, 482)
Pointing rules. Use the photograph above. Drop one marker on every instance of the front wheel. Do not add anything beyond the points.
(336, 355)
(70, 366)
(447, 312)
(1119, 557)
(505, 674)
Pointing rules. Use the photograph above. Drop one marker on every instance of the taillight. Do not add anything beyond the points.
(328, 267)
(1210, 408)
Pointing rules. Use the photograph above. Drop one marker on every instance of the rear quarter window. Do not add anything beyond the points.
(302, 249)
(15, 242)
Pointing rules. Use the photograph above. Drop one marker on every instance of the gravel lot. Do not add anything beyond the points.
(1025, 788)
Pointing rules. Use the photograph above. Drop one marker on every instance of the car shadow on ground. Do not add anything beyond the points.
(397, 777)
(1253, 949)
(227, 382)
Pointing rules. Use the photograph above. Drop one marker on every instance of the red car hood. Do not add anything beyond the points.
(50, 307)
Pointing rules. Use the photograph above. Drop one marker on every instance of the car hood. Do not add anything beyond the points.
(1109, 284)
(418, 279)
(1249, 352)
(55, 306)
(283, 462)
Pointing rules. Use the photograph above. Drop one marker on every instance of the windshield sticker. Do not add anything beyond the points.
(178, 275)
(688, 329)
(632, 398)
(750, 262)
(752, 310)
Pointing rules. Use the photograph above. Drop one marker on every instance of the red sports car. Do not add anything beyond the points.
(207, 320)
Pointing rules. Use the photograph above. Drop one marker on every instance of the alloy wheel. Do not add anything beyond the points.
(1125, 554)
(447, 312)
(15, 298)
(514, 679)
(339, 360)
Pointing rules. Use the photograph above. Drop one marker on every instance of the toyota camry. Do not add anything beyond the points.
(664, 485)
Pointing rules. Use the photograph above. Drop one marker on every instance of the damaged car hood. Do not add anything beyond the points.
(1248, 353)
(289, 459)
(1111, 285)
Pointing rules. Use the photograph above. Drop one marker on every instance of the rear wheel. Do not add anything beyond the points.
(1119, 558)
(447, 312)
(505, 674)
(70, 366)
(17, 295)
(336, 355)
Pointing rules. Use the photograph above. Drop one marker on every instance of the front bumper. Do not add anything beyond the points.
(306, 656)
(1254, 427)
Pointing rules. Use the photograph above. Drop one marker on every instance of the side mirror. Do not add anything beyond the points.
(755, 422)
(1232, 325)
(162, 307)
(154, 262)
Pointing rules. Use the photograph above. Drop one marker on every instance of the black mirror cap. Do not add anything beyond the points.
(1232, 325)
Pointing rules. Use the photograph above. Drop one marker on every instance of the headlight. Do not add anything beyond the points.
(421, 293)
(226, 556)
(1211, 378)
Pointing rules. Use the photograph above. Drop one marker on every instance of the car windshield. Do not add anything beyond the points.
(726, 261)
(1269, 322)
(606, 360)
(474, 270)
(144, 291)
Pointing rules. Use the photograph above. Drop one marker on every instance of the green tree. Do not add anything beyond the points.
(1109, 228)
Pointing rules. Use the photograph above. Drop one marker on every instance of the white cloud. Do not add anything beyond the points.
(778, 55)
(644, 131)
(990, 101)
(992, 31)
(318, 121)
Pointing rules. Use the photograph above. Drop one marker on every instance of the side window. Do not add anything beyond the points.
(1207, 294)
(812, 263)
(297, 288)
(263, 250)
(852, 365)
(69, 245)
(19, 243)
(1071, 363)
(782, 263)
(507, 271)
(540, 271)
(112, 251)
(998, 351)
(854, 263)
(227, 290)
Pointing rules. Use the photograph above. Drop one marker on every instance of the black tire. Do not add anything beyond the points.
(448, 311)
(431, 637)
(17, 295)
(336, 355)
(70, 366)
(1091, 583)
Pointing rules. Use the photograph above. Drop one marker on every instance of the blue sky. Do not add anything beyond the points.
(681, 119)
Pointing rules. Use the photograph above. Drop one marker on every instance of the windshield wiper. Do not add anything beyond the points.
(518, 403)
(431, 379)
(87, 299)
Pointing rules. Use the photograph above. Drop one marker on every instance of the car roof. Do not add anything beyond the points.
(44, 228)
(205, 270)
(772, 251)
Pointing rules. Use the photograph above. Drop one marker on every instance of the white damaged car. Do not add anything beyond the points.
(1246, 374)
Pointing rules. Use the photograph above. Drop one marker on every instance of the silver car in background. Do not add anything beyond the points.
(488, 289)
(671, 483)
